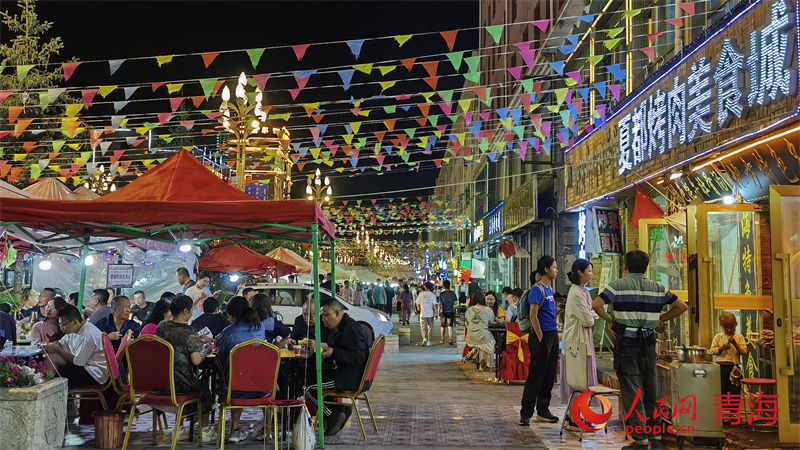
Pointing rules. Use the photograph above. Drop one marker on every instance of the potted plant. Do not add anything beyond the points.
(32, 400)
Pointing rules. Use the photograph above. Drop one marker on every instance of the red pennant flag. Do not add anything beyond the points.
(208, 58)
(299, 52)
(688, 7)
(431, 67)
(29, 146)
(480, 91)
(389, 123)
(422, 121)
(650, 52)
(449, 38)
(163, 117)
(69, 69)
(380, 135)
(197, 100)
(300, 166)
(261, 80)
(645, 208)
(432, 81)
(678, 22)
(88, 96)
(22, 125)
(653, 36)
(158, 84)
(317, 117)
(175, 103)
(4, 95)
(216, 87)
(408, 63)
(53, 155)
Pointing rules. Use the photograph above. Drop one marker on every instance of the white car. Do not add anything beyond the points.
(287, 301)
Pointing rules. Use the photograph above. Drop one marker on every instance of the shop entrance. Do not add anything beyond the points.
(784, 203)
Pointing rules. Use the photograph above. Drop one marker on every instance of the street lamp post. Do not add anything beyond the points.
(318, 191)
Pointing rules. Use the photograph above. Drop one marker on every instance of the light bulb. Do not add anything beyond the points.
(226, 94)
(254, 124)
(45, 264)
(185, 248)
(242, 79)
(89, 260)
(113, 187)
(327, 181)
(234, 278)
(728, 200)
(327, 199)
(240, 92)
(310, 197)
(308, 190)
(330, 191)
(318, 173)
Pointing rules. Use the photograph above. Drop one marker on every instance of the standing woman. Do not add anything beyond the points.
(578, 322)
(405, 304)
(360, 298)
(543, 343)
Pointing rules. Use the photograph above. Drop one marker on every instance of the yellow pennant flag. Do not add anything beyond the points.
(161, 60)
(54, 168)
(105, 90)
(464, 104)
(173, 88)
(76, 146)
(20, 156)
(386, 69)
(73, 110)
(386, 84)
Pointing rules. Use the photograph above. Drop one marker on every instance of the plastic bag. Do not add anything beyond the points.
(303, 437)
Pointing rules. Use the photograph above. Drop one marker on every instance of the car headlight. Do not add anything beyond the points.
(382, 318)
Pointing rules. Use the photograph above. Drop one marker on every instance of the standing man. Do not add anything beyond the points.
(184, 279)
(99, 304)
(346, 293)
(638, 303)
(428, 308)
(448, 300)
(389, 298)
(378, 296)
(141, 308)
(461, 291)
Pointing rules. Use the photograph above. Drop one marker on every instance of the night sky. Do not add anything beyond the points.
(100, 30)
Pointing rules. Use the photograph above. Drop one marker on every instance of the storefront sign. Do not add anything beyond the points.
(582, 234)
(477, 232)
(748, 257)
(713, 93)
(520, 207)
(608, 230)
(731, 88)
(704, 185)
(494, 223)
(120, 276)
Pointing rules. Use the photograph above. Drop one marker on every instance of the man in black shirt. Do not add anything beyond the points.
(304, 324)
(211, 318)
(447, 308)
(140, 308)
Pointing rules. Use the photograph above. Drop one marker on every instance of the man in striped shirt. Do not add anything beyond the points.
(638, 303)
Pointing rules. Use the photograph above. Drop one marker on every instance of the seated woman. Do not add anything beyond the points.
(497, 310)
(271, 326)
(160, 312)
(479, 338)
(245, 325)
(189, 351)
(47, 331)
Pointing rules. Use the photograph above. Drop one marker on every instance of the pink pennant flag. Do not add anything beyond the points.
(447, 108)
(380, 159)
(69, 69)
(4, 95)
(175, 103)
(441, 128)
(88, 96)
(187, 123)
(314, 132)
(522, 46)
(688, 7)
(546, 125)
(653, 36)
(485, 115)
(541, 24)
(300, 50)
(515, 72)
(576, 75)
(528, 56)
(650, 52)
(261, 80)
(578, 104)
(536, 119)
(467, 117)
(615, 89)
(601, 109)
(523, 149)
(678, 22)
(164, 117)
(301, 82)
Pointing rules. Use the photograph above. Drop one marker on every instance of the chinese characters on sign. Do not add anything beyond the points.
(763, 407)
(705, 184)
(747, 252)
(609, 231)
(682, 114)
(120, 276)
(582, 234)
(494, 223)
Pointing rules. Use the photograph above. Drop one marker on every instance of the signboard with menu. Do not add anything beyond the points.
(120, 276)
(608, 230)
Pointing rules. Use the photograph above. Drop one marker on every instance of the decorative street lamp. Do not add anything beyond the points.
(245, 120)
(317, 191)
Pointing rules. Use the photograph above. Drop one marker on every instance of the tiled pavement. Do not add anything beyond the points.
(421, 399)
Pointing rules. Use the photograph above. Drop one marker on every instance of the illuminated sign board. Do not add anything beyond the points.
(494, 223)
(712, 93)
(477, 232)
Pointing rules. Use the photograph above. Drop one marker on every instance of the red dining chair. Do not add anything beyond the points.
(122, 344)
(149, 330)
(151, 368)
(370, 371)
(252, 367)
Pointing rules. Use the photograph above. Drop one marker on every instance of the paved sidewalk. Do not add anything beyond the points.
(422, 399)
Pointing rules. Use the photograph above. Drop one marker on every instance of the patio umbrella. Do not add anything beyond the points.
(289, 257)
(50, 189)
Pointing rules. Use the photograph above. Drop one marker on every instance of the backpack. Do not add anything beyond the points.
(525, 310)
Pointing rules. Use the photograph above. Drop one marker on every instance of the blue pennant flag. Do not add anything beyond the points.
(355, 46)
(322, 128)
(589, 18)
(618, 72)
(601, 88)
(558, 66)
(347, 76)
(516, 114)
(502, 113)
(584, 93)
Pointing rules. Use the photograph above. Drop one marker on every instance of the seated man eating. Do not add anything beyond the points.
(345, 354)
(79, 355)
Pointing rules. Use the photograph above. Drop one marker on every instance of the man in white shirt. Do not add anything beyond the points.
(428, 308)
(79, 355)
(347, 293)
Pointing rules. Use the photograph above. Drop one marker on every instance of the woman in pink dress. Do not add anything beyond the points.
(47, 330)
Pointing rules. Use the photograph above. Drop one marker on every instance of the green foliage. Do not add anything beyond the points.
(10, 297)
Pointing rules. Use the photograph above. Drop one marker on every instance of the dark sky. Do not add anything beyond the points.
(100, 30)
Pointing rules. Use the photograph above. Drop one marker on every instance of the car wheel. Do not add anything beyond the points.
(369, 327)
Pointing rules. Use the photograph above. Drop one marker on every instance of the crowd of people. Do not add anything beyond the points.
(196, 324)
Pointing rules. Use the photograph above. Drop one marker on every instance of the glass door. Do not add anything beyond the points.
(784, 203)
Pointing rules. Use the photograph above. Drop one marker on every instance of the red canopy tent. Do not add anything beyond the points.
(238, 258)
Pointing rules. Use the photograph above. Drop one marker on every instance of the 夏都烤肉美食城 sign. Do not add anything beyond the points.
(735, 83)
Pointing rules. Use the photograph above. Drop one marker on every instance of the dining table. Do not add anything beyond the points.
(499, 335)
(25, 352)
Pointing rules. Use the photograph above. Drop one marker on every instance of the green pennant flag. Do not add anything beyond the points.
(614, 32)
(496, 31)
(405, 156)
(593, 60)
(58, 144)
(402, 38)
(427, 96)
(390, 109)
(208, 85)
(474, 77)
(410, 132)
(453, 118)
(434, 120)
(22, 71)
(519, 131)
(36, 171)
(484, 144)
(472, 63)
(447, 95)
(44, 100)
(561, 95)
(361, 142)
(611, 43)
(553, 108)
(565, 115)
(85, 156)
(632, 13)
(255, 55)
(527, 84)
(570, 82)
(488, 101)
(455, 58)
